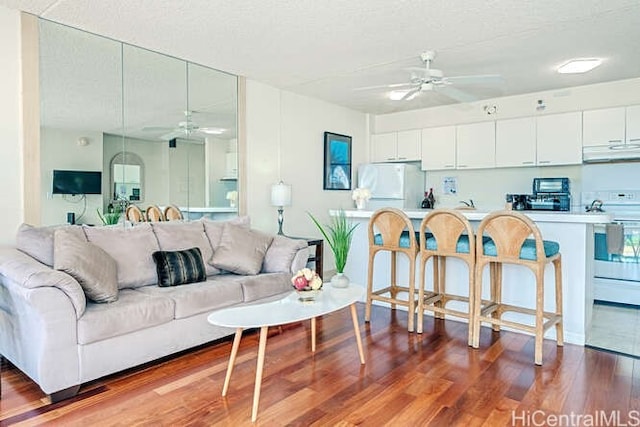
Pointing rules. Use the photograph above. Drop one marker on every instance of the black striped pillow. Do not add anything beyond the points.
(179, 267)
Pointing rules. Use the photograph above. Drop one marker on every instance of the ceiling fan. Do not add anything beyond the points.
(184, 129)
(427, 79)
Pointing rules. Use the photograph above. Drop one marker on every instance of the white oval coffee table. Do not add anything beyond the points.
(275, 313)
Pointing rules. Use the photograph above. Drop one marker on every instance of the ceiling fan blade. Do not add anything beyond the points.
(455, 94)
(390, 86)
(485, 79)
(410, 95)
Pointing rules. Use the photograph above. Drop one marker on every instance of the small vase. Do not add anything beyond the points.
(340, 280)
(307, 295)
(361, 204)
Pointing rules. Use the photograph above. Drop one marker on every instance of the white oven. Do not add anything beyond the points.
(617, 249)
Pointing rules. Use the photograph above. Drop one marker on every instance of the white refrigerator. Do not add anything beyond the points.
(396, 185)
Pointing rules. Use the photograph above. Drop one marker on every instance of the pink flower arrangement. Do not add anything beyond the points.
(306, 280)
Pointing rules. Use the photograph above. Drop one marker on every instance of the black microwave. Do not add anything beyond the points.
(550, 185)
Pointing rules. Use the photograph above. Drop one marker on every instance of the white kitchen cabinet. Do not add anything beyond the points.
(633, 124)
(438, 148)
(403, 146)
(559, 139)
(408, 145)
(516, 142)
(383, 147)
(603, 127)
(476, 145)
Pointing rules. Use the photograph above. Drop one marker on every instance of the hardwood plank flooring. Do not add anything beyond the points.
(409, 379)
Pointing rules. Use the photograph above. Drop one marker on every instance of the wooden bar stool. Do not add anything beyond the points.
(153, 214)
(172, 213)
(391, 230)
(134, 214)
(445, 233)
(509, 241)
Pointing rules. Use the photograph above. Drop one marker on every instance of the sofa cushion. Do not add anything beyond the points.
(177, 236)
(93, 268)
(241, 250)
(280, 254)
(131, 247)
(179, 267)
(37, 242)
(214, 229)
(217, 292)
(265, 285)
(133, 311)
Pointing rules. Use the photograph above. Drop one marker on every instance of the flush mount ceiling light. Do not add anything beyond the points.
(397, 95)
(582, 65)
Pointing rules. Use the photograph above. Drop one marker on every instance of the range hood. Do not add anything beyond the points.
(611, 153)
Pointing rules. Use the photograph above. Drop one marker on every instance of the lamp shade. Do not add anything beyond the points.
(281, 194)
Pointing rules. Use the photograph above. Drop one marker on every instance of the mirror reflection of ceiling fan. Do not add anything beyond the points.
(427, 79)
(185, 129)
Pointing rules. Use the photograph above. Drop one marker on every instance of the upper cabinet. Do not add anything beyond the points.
(475, 145)
(403, 146)
(439, 148)
(554, 139)
(516, 142)
(603, 127)
(559, 139)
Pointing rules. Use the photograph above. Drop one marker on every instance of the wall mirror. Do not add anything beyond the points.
(162, 130)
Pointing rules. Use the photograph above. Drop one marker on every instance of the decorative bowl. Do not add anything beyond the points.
(307, 295)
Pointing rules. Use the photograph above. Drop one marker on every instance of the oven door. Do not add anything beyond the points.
(617, 276)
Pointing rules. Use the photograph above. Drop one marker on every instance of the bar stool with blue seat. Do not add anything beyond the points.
(445, 233)
(391, 230)
(513, 238)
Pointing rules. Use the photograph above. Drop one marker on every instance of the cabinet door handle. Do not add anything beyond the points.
(615, 141)
(527, 163)
(634, 140)
(544, 162)
(448, 166)
(402, 158)
(462, 166)
(391, 158)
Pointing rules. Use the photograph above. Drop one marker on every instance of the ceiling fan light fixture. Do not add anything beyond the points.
(577, 66)
(212, 131)
(397, 95)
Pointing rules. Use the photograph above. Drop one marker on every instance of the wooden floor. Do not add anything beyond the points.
(408, 380)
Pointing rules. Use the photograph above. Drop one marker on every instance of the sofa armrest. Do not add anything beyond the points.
(300, 259)
(27, 272)
(38, 334)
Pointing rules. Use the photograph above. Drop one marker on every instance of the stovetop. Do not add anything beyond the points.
(623, 204)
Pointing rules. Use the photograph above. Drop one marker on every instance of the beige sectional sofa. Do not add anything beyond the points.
(52, 328)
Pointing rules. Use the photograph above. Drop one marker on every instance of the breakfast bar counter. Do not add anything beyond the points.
(572, 230)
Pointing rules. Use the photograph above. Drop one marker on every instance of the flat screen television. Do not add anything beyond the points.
(77, 182)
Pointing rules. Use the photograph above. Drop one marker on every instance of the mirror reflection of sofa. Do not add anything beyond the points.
(79, 303)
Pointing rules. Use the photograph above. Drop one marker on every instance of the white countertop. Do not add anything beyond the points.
(478, 215)
(208, 209)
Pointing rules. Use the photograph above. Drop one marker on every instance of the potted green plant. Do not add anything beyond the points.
(110, 218)
(338, 235)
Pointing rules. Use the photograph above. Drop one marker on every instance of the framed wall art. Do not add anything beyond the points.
(337, 161)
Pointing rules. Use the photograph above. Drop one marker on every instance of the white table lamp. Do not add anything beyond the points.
(280, 197)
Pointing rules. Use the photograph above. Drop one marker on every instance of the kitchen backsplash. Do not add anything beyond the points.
(487, 187)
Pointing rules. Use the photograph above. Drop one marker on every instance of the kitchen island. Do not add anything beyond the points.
(572, 230)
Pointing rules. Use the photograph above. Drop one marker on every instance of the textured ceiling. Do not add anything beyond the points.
(326, 49)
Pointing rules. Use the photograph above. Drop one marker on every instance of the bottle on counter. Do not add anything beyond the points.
(432, 198)
(428, 201)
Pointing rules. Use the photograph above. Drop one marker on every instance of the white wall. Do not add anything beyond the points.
(59, 150)
(285, 141)
(12, 212)
(487, 187)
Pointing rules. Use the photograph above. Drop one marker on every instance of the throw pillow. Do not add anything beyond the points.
(178, 236)
(91, 266)
(131, 247)
(241, 250)
(280, 254)
(214, 229)
(179, 267)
